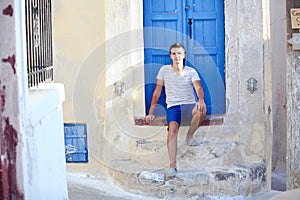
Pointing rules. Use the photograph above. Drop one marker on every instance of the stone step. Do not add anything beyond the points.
(147, 141)
(197, 183)
(202, 133)
(210, 153)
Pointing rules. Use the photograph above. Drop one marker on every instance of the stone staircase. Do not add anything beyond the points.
(218, 167)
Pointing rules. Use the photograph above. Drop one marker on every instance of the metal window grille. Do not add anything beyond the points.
(39, 41)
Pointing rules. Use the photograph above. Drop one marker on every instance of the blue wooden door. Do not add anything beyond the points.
(199, 26)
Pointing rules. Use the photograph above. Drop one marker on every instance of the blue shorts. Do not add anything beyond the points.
(180, 113)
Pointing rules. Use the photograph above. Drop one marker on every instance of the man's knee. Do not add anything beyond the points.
(173, 129)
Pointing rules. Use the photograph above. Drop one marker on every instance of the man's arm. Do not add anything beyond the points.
(201, 106)
(155, 97)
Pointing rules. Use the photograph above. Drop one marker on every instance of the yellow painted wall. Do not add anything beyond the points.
(96, 44)
(79, 62)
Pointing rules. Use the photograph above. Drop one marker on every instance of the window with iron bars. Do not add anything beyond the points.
(39, 41)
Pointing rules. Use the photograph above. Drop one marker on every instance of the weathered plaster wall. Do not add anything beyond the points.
(279, 49)
(245, 117)
(12, 100)
(124, 31)
(79, 49)
(268, 91)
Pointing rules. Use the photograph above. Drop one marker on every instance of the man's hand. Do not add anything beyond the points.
(149, 118)
(200, 106)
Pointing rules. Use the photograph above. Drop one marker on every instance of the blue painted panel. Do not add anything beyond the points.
(205, 33)
(204, 5)
(76, 142)
(163, 5)
(157, 7)
(209, 30)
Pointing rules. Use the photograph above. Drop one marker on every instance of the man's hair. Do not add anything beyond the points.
(176, 45)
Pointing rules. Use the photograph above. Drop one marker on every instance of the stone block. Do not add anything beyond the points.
(192, 178)
(151, 178)
(256, 171)
(220, 176)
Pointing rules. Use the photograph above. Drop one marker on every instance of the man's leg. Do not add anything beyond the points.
(197, 119)
(172, 142)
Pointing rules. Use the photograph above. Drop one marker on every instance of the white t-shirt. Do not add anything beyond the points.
(179, 87)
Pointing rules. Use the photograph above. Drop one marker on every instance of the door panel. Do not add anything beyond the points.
(206, 50)
(166, 22)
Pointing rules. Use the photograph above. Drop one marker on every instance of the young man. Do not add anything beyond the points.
(179, 81)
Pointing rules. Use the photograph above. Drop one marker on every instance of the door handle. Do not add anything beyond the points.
(190, 22)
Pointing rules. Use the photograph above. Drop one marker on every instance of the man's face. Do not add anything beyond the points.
(177, 55)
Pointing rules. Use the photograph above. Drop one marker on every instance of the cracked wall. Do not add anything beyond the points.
(10, 186)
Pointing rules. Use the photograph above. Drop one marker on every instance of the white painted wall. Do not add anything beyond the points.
(45, 150)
